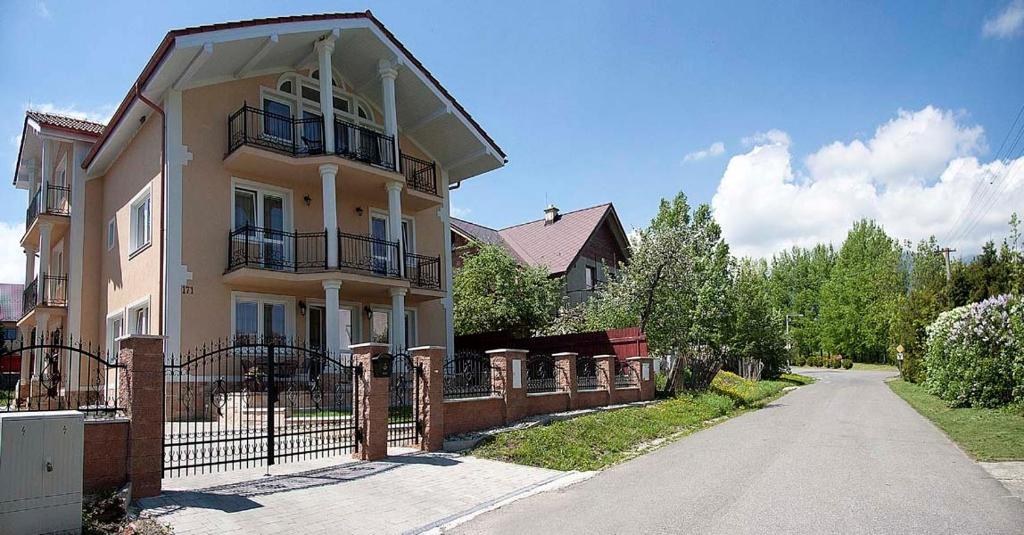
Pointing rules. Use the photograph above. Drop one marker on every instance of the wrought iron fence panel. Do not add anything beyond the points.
(364, 144)
(404, 424)
(468, 375)
(279, 133)
(586, 373)
(368, 254)
(626, 375)
(277, 250)
(423, 271)
(540, 374)
(420, 175)
(64, 374)
(253, 401)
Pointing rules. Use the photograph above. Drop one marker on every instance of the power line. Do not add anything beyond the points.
(998, 185)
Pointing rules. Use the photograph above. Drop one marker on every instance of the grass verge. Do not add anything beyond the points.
(599, 440)
(874, 367)
(796, 379)
(985, 434)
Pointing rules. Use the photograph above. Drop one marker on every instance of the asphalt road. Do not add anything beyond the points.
(844, 455)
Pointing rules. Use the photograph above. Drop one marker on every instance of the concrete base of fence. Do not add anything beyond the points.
(105, 455)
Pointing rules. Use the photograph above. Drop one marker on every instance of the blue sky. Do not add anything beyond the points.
(598, 102)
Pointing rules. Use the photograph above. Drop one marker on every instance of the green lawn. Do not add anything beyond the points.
(986, 434)
(796, 379)
(873, 367)
(602, 439)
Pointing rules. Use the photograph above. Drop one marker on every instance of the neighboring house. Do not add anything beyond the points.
(582, 247)
(10, 313)
(283, 177)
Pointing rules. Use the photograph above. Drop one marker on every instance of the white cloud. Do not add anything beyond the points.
(771, 137)
(458, 211)
(1008, 23)
(43, 10)
(100, 114)
(12, 257)
(715, 149)
(914, 176)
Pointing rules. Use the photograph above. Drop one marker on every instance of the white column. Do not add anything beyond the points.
(395, 220)
(449, 311)
(324, 49)
(42, 333)
(30, 265)
(329, 177)
(45, 228)
(398, 319)
(26, 358)
(333, 316)
(388, 73)
(176, 273)
(47, 174)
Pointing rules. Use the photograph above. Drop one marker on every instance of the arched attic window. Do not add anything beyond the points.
(316, 76)
(286, 86)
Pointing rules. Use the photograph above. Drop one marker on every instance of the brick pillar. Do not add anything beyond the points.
(431, 402)
(373, 403)
(644, 367)
(509, 377)
(606, 375)
(141, 389)
(565, 376)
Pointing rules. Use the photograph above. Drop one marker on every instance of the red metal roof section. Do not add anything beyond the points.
(557, 244)
(168, 41)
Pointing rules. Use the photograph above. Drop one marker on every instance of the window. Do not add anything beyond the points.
(286, 86)
(111, 233)
(138, 318)
(591, 274)
(115, 330)
(277, 121)
(380, 326)
(259, 317)
(141, 216)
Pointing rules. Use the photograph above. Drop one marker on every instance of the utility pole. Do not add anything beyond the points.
(945, 252)
(788, 343)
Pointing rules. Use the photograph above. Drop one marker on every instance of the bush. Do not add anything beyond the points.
(974, 354)
(847, 364)
(799, 360)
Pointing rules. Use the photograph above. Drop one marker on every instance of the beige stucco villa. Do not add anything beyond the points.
(278, 177)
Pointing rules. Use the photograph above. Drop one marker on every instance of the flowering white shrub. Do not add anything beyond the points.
(974, 354)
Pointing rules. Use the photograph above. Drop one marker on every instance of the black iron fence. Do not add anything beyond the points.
(586, 373)
(280, 133)
(257, 401)
(468, 375)
(626, 375)
(54, 200)
(53, 292)
(363, 144)
(420, 175)
(65, 374)
(369, 254)
(278, 250)
(540, 374)
(423, 271)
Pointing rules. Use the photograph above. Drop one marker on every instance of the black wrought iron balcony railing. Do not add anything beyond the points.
(363, 144)
(279, 133)
(368, 254)
(277, 250)
(423, 271)
(420, 175)
(54, 200)
(52, 293)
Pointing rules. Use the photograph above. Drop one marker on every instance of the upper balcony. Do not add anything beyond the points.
(50, 205)
(257, 138)
(258, 255)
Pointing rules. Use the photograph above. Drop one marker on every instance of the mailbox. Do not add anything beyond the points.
(381, 365)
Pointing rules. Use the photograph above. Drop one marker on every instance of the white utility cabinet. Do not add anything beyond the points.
(41, 472)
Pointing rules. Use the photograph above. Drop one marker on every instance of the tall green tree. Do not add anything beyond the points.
(926, 296)
(859, 298)
(492, 292)
(757, 330)
(796, 279)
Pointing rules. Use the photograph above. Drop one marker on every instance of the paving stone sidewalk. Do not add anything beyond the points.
(407, 493)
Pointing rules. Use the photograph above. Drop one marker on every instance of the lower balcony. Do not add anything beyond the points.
(268, 254)
(49, 296)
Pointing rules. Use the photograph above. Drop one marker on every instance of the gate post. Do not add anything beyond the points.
(430, 360)
(644, 370)
(510, 380)
(565, 376)
(373, 404)
(605, 365)
(142, 389)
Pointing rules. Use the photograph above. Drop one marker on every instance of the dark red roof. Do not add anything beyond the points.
(165, 47)
(65, 122)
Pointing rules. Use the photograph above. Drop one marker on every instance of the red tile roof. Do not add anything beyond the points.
(66, 122)
(165, 47)
(552, 246)
(10, 301)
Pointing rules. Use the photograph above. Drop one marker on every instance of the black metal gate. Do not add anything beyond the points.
(404, 425)
(244, 403)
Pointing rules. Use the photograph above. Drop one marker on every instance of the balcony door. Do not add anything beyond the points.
(379, 247)
(264, 214)
(277, 120)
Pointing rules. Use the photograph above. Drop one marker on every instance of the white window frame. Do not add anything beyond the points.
(590, 271)
(261, 299)
(111, 233)
(112, 337)
(143, 197)
(132, 309)
(410, 312)
(357, 317)
(62, 171)
(261, 189)
(354, 101)
(410, 248)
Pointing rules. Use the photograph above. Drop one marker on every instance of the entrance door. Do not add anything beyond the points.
(317, 317)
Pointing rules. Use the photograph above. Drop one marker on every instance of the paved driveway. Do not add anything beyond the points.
(844, 455)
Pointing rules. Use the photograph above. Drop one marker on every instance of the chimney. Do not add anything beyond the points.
(550, 214)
